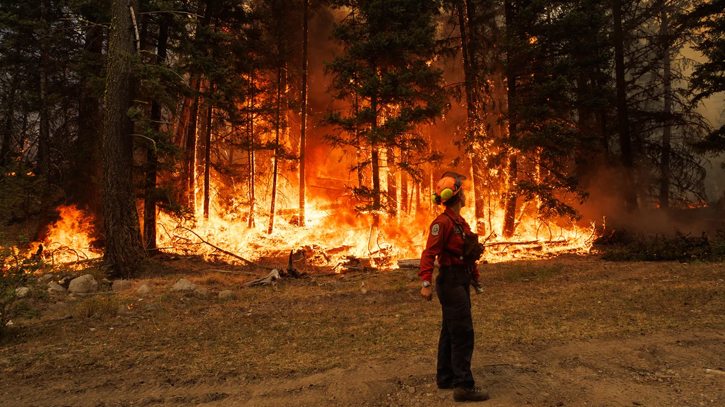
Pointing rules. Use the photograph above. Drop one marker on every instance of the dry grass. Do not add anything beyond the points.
(314, 324)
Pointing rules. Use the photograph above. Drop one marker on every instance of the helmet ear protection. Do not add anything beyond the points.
(450, 184)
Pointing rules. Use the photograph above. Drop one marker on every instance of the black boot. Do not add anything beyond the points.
(470, 394)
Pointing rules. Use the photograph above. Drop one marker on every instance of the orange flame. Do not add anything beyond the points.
(69, 239)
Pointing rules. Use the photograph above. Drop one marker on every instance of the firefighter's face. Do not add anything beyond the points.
(463, 199)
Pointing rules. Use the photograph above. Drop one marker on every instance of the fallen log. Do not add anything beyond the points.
(527, 242)
(409, 263)
(251, 273)
(228, 253)
(269, 279)
(352, 263)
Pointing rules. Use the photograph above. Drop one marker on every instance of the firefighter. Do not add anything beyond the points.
(446, 242)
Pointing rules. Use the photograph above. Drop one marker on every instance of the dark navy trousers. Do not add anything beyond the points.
(455, 346)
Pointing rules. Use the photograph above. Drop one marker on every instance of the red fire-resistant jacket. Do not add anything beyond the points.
(445, 239)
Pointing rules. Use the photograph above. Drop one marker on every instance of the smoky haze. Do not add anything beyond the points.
(329, 168)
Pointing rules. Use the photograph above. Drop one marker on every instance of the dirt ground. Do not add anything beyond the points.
(562, 332)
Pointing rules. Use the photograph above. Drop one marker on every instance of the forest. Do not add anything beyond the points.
(260, 117)
(244, 187)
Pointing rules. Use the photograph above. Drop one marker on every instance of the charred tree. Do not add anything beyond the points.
(207, 155)
(667, 129)
(392, 204)
(124, 251)
(9, 125)
(303, 114)
(474, 126)
(250, 151)
(375, 161)
(152, 158)
(189, 174)
(275, 167)
(44, 133)
(90, 123)
(629, 191)
(509, 221)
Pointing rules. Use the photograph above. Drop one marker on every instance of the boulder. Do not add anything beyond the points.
(227, 295)
(201, 292)
(22, 292)
(183, 285)
(54, 287)
(120, 285)
(144, 290)
(83, 285)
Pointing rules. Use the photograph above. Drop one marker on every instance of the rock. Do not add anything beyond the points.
(120, 285)
(152, 307)
(54, 287)
(411, 390)
(144, 290)
(83, 284)
(183, 285)
(227, 295)
(123, 310)
(201, 292)
(46, 277)
(22, 292)
(65, 281)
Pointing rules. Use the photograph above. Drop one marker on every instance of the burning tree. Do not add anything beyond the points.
(385, 74)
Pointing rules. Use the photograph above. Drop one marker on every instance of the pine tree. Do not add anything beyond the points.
(706, 24)
(385, 72)
(124, 251)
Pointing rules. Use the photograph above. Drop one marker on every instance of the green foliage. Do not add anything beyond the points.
(706, 24)
(15, 273)
(385, 74)
(22, 193)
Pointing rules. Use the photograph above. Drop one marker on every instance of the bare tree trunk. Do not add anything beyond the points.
(90, 124)
(474, 125)
(250, 125)
(184, 117)
(629, 191)
(278, 124)
(190, 154)
(303, 119)
(8, 128)
(124, 251)
(509, 221)
(207, 156)
(404, 192)
(393, 203)
(375, 158)
(44, 135)
(667, 130)
(418, 206)
(152, 158)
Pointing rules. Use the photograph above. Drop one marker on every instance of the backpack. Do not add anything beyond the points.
(472, 248)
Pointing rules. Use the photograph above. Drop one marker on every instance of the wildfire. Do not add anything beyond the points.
(335, 236)
(69, 239)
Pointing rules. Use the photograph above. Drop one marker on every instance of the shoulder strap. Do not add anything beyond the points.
(454, 254)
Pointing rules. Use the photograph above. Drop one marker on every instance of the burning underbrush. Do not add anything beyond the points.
(334, 237)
